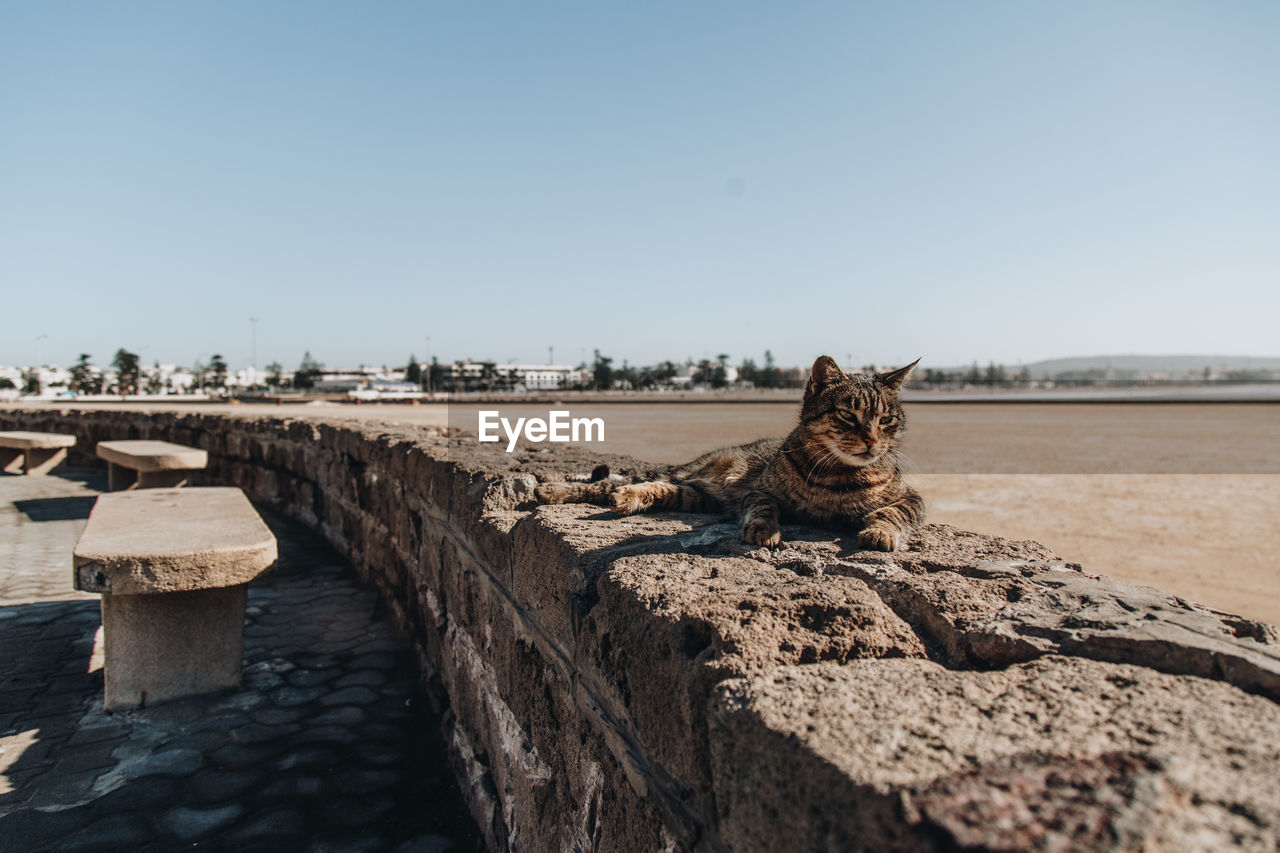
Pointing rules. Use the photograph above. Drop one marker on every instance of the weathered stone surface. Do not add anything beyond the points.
(1015, 604)
(1059, 753)
(981, 601)
(152, 455)
(163, 647)
(560, 552)
(33, 453)
(22, 440)
(1113, 620)
(166, 540)
(623, 683)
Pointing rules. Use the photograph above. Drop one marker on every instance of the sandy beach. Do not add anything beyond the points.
(1183, 497)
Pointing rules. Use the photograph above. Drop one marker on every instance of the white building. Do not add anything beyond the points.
(474, 375)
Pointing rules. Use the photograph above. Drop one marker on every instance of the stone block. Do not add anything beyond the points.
(162, 647)
(168, 540)
(173, 567)
(149, 464)
(33, 453)
(1056, 753)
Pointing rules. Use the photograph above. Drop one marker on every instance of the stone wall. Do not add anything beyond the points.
(649, 683)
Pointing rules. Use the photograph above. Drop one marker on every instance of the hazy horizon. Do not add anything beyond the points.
(991, 182)
(1167, 361)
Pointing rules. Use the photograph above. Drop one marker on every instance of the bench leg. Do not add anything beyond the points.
(162, 479)
(120, 478)
(42, 461)
(170, 645)
(11, 460)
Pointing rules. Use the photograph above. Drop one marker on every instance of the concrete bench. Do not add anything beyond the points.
(173, 566)
(149, 464)
(33, 453)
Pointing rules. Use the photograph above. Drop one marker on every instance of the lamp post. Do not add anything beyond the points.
(253, 351)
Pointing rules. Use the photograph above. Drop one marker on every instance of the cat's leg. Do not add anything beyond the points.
(886, 528)
(656, 495)
(760, 519)
(575, 493)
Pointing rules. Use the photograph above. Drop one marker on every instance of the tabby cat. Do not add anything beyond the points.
(837, 468)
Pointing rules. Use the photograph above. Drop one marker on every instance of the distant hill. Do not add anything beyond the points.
(1175, 364)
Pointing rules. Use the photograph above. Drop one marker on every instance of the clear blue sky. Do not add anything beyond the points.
(999, 181)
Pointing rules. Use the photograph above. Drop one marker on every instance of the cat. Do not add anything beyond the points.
(837, 468)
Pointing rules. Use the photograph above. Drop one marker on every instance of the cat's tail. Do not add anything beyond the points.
(658, 495)
(596, 490)
(624, 498)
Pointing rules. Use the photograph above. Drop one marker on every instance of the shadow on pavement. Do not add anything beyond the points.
(56, 509)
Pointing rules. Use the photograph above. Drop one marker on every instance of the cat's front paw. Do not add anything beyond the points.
(759, 531)
(878, 539)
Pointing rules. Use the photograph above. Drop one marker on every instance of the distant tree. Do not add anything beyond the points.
(719, 375)
(974, 376)
(995, 374)
(84, 379)
(155, 383)
(33, 385)
(217, 375)
(6, 384)
(626, 376)
(747, 371)
(127, 371)
(308, 372)
(602, 372)
(413, 372)
(435, 375)
(702, 376)
(1023, 376)
(770, 377)
(275, 374)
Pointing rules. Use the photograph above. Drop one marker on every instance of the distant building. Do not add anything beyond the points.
(379, 390)
(342, 381)
(491, 376)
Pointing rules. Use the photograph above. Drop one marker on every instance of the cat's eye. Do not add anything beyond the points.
(888, 421)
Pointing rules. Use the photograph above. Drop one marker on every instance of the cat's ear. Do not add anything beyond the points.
(825, 372)
(895, 379)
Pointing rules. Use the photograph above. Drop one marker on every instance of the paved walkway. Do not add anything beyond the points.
(329, 746)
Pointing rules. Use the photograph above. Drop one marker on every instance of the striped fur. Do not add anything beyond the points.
(837, 468)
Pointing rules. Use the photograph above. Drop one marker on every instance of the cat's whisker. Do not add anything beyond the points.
(825, 460)
(916, 473)
(913, 471)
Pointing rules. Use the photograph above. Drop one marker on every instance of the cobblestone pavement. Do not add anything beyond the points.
(40, 521)
(328, 746)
